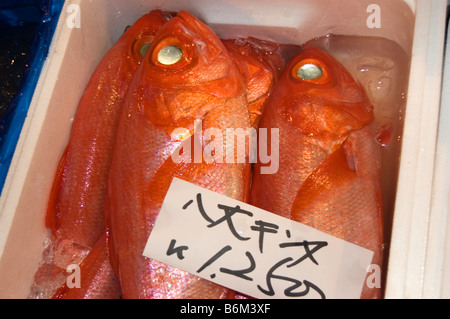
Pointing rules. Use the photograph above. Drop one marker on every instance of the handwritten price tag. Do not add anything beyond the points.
(253, 251)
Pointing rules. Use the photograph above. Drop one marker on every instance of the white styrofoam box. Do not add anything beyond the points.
(437, 259)
(416, 25)
(410, 248)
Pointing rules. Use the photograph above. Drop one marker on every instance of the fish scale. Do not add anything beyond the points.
(75, 209)
(78, 192)
(326, 153)
(143, 167)
(329, 168)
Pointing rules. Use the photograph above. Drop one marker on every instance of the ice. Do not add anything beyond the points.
(52, 274)
(47, 280)
(68, 252)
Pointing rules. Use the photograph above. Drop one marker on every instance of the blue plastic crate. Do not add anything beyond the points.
(42, 17)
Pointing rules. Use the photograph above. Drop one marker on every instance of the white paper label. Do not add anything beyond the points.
(253, 251)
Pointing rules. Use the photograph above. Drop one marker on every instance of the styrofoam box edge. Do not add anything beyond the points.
(437, 261)
(16, 179)
(408, 251)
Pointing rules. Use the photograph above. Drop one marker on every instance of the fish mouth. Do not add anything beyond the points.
(191, 25)
(358, 108)
(347, 100)
(362, 111)
(168, 15)
(186, 16)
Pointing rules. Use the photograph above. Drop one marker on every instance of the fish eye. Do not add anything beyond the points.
(309, 71)
(141, 46)
(170, 55)
(144, 49)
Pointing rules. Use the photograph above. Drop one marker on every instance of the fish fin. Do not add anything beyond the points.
(342, 197)
(199, 173)
(51, 218)
(331, 174)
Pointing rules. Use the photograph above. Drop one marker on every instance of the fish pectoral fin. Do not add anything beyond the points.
(335, 171)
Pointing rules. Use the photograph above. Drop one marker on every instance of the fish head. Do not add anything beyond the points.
(138, 37)
(321, 97)
(260, 66)
(186, 69)
(258, 62)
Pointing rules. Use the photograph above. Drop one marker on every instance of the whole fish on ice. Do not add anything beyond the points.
(329, 165)
(75, 210)
(187, 84)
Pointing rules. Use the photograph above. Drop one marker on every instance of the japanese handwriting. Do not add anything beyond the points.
(298, 252)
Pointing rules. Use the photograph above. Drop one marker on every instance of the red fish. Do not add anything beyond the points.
(329, 166)
(78, 192)
(187, 79)
(260, 65)
(75, 210)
